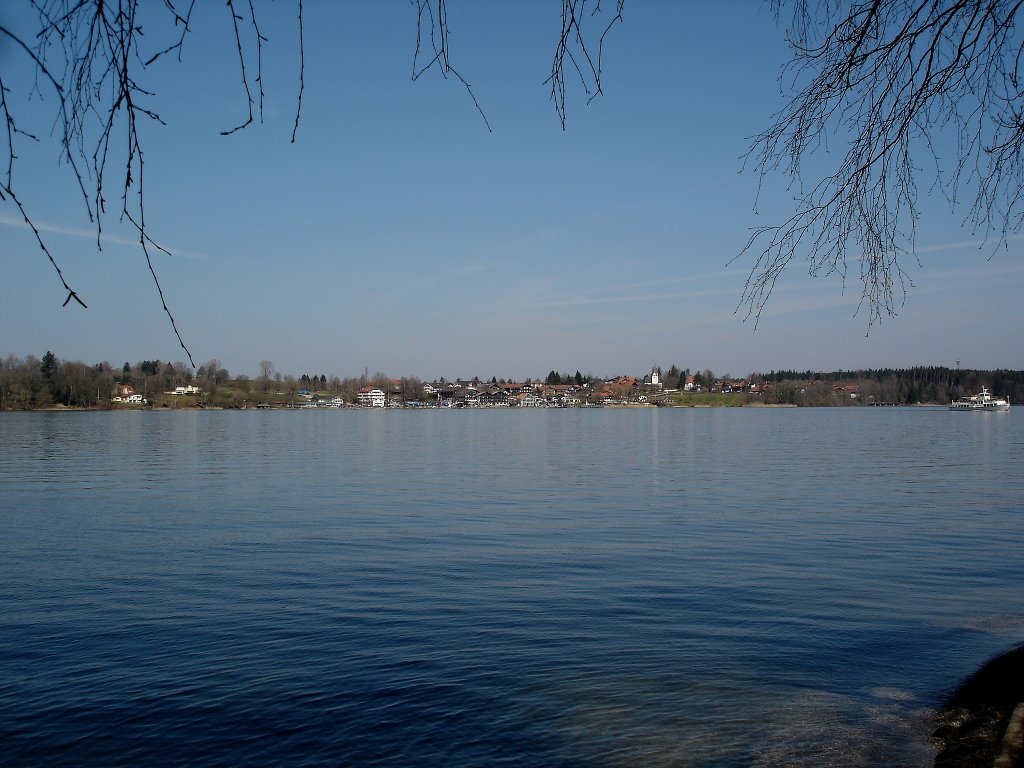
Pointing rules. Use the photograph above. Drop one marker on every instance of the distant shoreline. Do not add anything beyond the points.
(269, 407)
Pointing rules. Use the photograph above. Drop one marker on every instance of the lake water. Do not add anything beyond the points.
(655, 587)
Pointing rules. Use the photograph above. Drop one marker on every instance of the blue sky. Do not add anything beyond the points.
(398, 234)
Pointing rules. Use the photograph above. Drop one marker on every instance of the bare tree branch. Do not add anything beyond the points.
(900, 85)
(898, 82)
(89, 53)
(437, 32)
(302, 73)
(185, 29)
(572, 44)
(235, 19)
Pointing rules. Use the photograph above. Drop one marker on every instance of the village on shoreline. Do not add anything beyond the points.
(621, 391)
(48, 383)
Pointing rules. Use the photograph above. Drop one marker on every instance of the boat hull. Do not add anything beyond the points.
(987, 407)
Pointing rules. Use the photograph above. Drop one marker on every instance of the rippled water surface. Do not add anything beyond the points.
(598, 588)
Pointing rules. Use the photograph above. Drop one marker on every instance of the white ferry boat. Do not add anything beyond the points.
(983, 401)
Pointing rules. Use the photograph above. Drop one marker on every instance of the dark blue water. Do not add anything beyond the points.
(478, 588)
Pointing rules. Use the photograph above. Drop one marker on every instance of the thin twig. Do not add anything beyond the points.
(302, 73)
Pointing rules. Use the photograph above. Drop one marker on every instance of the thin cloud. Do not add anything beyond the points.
(89, 234)
(579, 301)
(955, 279)
(689, 278)
(958, 245)
(543, 293)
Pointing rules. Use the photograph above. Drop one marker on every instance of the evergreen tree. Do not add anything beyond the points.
(48, 366)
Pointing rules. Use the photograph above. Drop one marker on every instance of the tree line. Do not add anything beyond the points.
(902, 386)
(33, 383)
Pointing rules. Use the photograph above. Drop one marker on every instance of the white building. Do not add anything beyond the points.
(371, 397)
(529, 400)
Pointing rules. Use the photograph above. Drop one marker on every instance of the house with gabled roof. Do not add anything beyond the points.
(528, 400)
(494, 395)
(847, 390)
(371, 397)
